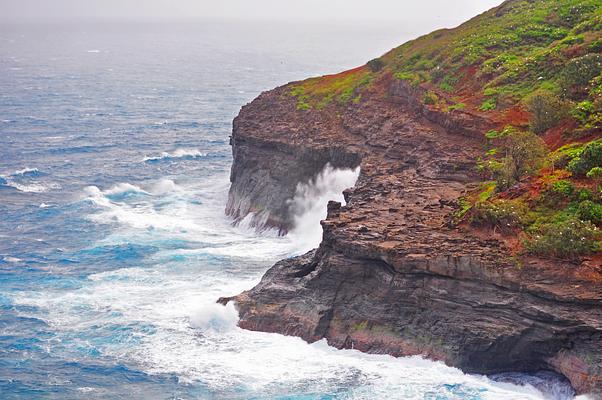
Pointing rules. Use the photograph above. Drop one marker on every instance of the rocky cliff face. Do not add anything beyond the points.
(391, 275)
(271, 162)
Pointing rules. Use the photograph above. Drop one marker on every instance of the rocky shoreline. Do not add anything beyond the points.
(391, 275)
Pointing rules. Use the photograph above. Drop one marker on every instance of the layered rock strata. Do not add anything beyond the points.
(392, 275)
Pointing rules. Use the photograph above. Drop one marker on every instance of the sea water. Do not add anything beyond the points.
(114, 163)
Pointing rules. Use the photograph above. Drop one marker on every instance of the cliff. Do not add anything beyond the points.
(399, 270)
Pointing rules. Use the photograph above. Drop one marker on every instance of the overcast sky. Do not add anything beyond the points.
(445, 12)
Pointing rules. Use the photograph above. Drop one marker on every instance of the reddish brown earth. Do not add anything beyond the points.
(391, 275)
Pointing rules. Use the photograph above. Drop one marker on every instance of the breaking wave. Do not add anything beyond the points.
(24, 180)
(187, 154)
(27, 172)
(310, 201)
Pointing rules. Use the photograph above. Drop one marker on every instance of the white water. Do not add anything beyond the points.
(178, 153)
(309, 203)
(168, 302)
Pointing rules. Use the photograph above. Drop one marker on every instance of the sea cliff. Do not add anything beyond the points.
(399, 271)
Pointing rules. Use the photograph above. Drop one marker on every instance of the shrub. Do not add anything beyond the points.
(563, 188)
(413, 78)
(585, 194)
(489, 104)
(572, 40)
(568, 238)
(557, 193)
(502, 214)
(446, 87)
(376, 65)
(525, 153)
(547, 110)
(596, 46)
(591, 157)
(582, 111)
(430, 98)
(580, 71)
(565, 154)
(595, 173)
(448, 83)
(590, 211)
(492, 134)
(459, 106)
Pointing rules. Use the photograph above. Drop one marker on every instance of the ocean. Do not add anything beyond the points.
(114, 167)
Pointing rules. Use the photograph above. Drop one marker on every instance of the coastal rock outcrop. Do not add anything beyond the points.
(392, 274)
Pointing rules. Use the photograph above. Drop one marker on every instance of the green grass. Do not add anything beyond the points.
(516, 48)
(319, 93)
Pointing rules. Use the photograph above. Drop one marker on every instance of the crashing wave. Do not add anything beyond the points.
(187, 154)
(26, 172)
(311, 199)
(19, 180)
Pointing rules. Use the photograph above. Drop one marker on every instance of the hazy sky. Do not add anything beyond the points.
(446, 12)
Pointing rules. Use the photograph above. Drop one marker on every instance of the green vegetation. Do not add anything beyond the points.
(547, 110)
(561, 217)
(595, 173)
(489, 104)
(502, 214)
(586, 160)
(458, 106)
(376, 65)
(544, 55)
(565, 239)
(342, 88)
(534, 68)
(414, 79)
(430, 98)
(523, 153)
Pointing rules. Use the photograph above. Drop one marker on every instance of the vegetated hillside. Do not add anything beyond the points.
(533, 70)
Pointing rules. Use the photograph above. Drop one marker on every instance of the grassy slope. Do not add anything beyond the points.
(491, 66)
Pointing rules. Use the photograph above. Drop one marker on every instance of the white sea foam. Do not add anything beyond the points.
(122, 188)
(26, 171)
(215, 317)
(22, 181)
(168, 305)
(178, 153)
(140, 215)
(29, 187)
(164, 187)
(311, 198)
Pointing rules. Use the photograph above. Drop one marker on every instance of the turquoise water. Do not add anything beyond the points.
(113, 243)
